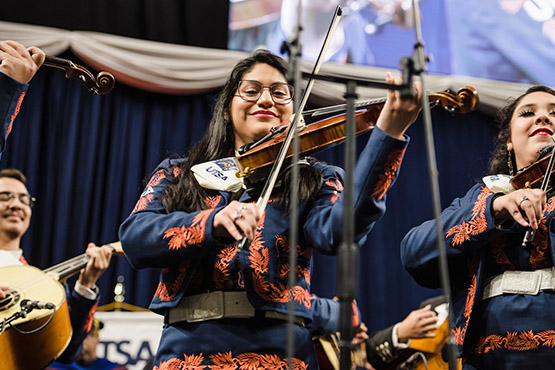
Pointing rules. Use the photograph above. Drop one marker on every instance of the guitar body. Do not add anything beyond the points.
(328, 351)
(436, 362)
(33, 350)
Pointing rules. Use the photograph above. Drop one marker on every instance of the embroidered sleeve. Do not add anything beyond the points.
(468, 225)
(151, 237)
(12, 94)
(376, 170)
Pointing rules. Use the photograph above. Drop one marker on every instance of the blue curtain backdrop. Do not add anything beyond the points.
(86, 158)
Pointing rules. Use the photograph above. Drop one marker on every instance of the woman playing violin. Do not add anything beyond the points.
(191, 233)
(502, 291)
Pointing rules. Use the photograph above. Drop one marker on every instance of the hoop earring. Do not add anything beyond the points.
(510, 163)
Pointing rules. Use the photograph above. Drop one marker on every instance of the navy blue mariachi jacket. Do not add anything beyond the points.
(12, 93)
(192, 261)
(477, 249)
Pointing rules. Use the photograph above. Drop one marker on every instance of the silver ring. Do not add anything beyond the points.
(522, 200)
(238, 215)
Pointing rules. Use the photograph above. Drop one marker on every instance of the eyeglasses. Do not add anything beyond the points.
(250, 90)
(25, 199)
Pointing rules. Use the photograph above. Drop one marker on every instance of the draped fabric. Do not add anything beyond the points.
(86, 156)
(178, 69)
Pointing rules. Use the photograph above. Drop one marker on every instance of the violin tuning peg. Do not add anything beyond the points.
(450, 110)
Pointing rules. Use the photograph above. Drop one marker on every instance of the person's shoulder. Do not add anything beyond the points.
(329, 170)
(169, 163)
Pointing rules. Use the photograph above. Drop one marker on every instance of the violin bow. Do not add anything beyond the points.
(530, 233)
(272, 178)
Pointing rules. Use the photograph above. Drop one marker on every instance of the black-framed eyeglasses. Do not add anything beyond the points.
(251, 90)
(26, 199)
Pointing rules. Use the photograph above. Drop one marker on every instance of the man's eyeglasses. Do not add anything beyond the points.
(250, 90)
(7, 198)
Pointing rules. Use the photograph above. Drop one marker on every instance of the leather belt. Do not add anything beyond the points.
(520, 282)
(221, 305)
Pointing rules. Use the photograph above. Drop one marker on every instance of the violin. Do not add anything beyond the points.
(328, 132)
(102, 84)
(536, 175)
(533, 175)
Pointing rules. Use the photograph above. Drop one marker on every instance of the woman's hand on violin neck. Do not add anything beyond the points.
(398, 114)
(525, 206)
(18, 62)
(236, 220)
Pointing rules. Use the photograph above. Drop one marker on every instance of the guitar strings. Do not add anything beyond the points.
(59, 268)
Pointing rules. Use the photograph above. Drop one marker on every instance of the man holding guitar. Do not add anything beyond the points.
(15, 216)
(18, 65)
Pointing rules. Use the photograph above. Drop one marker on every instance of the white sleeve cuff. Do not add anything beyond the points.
(89, 293)
(395, 339)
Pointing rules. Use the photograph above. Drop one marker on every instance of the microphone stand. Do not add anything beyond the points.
(294, 49)
(417, 66)
(348, 249)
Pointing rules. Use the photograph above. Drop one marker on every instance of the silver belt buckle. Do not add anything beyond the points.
(521, 282)
(207, 306)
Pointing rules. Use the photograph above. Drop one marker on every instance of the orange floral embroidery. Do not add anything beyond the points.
(183, 236)
(221, 274)
(477, 223)
(338, 189)
(212, 202)
(392, 163)
(147, 196)
(166, 290)
(539, 257)
(176, 171)
(90, 318)
(192, 362)
(499, 255)
(459, 333)
(156, 178)
(259, 258)
(171, 364)
(16, 112)
(226, 361)
(223, 361)
(355, 319)
(23, 261)
(142, 203)
(516, 341)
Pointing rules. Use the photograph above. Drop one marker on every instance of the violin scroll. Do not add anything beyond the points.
(102, 84)
(466, 100)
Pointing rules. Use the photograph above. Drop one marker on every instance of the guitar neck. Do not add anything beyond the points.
(70, 267)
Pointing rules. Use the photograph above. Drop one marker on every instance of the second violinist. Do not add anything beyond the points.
(503, 293)
(191, 233)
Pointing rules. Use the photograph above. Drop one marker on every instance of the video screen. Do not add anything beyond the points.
(510, 40)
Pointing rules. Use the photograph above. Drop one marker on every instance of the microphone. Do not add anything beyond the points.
(31, 305)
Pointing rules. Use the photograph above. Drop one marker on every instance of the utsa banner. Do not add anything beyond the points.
(129, 338)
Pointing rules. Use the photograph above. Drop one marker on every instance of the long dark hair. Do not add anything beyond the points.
(499, 162)
(184, 193)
